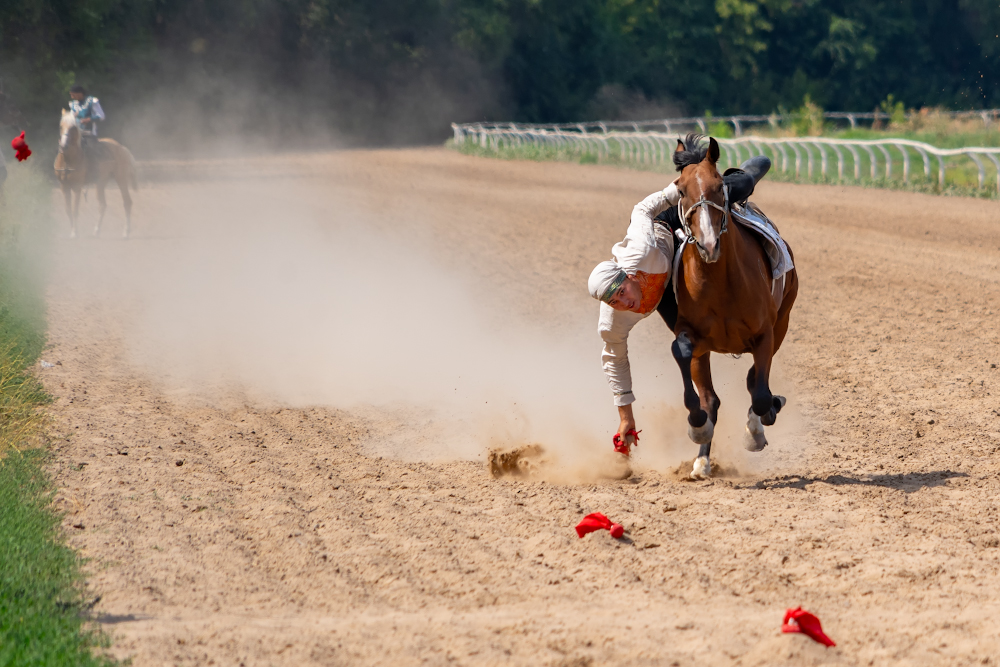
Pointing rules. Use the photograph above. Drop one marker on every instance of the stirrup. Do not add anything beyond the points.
(621, 445)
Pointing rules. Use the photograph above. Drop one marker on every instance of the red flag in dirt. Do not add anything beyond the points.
(598, 521)
(800, 620)
(20, 146)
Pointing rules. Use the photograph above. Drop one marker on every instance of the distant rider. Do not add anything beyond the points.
(633, 284)
(89, 112)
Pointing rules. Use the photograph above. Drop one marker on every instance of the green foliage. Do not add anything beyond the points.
(387, 71)
(720, 130)
(895, 110)
(807, 120)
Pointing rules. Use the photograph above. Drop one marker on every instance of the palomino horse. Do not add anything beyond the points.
(74, 172)
(727, 301)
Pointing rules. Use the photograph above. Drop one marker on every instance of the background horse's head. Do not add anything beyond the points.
(69, 130)
(703, 199)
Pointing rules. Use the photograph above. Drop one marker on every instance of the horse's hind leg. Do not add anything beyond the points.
(127, 200)
(68, 195)
(76, 209)
(701, 374)
(764, 406)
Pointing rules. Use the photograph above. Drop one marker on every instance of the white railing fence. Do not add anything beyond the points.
(987, 116)
(817, 156)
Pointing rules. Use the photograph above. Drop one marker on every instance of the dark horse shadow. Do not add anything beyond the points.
(907, 482)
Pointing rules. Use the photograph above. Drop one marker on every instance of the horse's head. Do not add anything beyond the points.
(69, 130)
(703, 199)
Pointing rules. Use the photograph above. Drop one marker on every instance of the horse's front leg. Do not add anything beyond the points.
(700, 427)
(764, 406)
(102, 203)
(68, 196)
(76, 207)
(701, 375)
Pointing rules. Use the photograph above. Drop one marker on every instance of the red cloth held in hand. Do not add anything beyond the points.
(621, 444)
(20, 146)
(598, 521)
(800, 620)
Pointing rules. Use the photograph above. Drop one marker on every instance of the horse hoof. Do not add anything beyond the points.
(753, 439)
(778, 402)
(702, 469)
(702, 435)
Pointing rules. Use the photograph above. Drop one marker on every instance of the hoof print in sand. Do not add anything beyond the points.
(521, 462)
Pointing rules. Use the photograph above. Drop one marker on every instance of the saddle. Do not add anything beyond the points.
(94, 152)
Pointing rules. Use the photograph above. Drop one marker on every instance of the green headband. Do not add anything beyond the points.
(613, 287)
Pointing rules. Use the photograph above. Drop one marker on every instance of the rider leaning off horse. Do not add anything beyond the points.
(635, 282)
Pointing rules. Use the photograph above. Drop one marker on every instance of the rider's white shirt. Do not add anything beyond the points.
(647, 247)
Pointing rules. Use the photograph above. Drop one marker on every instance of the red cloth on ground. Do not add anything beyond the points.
(598, 521)
(800, 620)
(20, 146)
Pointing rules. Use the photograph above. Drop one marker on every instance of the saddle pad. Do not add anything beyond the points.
(754, 219)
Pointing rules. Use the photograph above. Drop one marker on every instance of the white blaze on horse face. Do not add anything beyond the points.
(707, 230)
(67, 123)
(708, 237)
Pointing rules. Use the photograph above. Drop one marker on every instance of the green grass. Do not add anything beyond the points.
(42, 596)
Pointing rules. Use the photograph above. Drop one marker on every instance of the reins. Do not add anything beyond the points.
(684, 215)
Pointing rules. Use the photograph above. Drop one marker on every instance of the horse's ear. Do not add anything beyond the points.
(680, 146)
(713, 150)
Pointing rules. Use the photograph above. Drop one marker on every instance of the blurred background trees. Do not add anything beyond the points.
(180, 74)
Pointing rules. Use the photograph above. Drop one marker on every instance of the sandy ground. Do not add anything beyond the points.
(228, 527)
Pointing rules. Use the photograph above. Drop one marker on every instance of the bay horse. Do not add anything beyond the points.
(74, 171)
(727, 301)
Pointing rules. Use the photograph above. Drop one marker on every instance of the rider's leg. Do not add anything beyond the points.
(741, 182)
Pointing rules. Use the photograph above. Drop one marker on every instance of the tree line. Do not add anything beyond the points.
(183, 72)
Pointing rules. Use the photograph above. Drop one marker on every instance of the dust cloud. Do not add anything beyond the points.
(300, 292)
(264, 293)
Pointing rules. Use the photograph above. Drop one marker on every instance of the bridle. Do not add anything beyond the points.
(685, 215)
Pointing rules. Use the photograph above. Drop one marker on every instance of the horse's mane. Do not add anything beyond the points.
(693, 153)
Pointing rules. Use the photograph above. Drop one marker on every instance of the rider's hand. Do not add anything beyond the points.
(85, 120)
(627, 423)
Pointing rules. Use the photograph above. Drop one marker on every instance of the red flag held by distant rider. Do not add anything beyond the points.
(20, 146)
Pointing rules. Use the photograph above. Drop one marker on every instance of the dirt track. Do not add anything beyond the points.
(229, 530)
